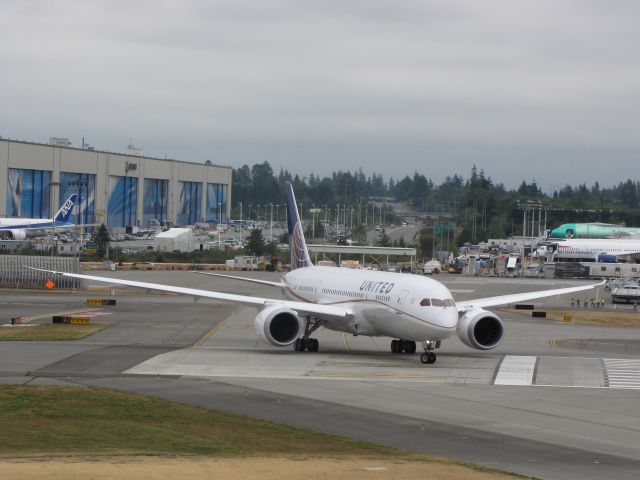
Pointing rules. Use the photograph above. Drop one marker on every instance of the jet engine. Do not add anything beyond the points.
(279, 326)
(480, 329)
(18, 234)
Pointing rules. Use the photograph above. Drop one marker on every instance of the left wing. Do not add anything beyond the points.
(520, 297)
(333, 311)
(245, 279)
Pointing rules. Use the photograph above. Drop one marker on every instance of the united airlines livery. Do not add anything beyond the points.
(409, 309)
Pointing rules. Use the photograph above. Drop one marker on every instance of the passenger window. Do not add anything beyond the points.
(425, 302)
(436, 302)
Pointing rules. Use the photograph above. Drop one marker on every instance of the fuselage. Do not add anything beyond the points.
(590, 250)
(30, 223)
(383, 303)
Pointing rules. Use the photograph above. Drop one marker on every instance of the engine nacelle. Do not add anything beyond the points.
(278, 325)
(480, 329)
(18, 234)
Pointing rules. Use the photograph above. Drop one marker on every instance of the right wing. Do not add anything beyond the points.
(245, 279)
(338, 312)
(466, 305)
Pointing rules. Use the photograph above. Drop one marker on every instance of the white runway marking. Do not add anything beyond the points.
(622, 373)
(516, 370)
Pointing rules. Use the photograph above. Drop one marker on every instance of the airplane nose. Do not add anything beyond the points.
(448, 318)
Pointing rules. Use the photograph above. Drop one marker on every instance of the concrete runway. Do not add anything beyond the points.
(553, 400)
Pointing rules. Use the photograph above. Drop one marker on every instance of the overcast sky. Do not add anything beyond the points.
(524, 89)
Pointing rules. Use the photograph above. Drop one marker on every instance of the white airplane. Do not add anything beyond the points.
(606, 250)
(17, 228)
(407, 308)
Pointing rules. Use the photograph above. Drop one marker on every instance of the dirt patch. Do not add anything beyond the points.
(231, 469)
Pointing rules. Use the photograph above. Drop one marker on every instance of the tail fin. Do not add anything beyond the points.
(297, 245)
(63, 215)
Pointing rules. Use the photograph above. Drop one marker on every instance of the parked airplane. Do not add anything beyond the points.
(17, 228)
(606, 250)
(407, 308)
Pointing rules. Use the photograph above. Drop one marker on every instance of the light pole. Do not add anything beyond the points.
(351, 221)
(337, 220)
(326, 223)
(271, 224)
(240, 224)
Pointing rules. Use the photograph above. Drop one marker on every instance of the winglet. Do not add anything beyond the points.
(63, 215)
(297, 245)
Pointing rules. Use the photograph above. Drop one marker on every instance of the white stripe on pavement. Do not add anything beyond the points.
(516, 370)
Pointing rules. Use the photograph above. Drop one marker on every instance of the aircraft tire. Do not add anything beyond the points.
(428, 358)
(313, 345)
(409, 346)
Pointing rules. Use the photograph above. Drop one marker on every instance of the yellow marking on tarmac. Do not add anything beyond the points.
(209, 334)
(57, 314)
(373, 375)
(553, 344)
(344, 339)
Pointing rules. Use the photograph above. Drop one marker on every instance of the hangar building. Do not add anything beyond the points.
(119, 190)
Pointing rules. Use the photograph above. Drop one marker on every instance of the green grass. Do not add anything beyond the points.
(49, 331)
(39, 420)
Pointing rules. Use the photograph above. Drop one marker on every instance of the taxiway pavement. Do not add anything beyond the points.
(543, 403)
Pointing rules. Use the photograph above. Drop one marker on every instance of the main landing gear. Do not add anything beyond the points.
(400, 346)
(306, 343)
(310, 344)
(429, 357)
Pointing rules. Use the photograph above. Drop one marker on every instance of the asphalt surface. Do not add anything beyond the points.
(576, 415)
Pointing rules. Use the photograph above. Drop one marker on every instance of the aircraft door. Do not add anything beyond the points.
(401, 297)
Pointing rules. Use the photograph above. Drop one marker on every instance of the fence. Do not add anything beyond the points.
(13, 274)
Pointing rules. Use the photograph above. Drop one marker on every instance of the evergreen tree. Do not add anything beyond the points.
(255, 242)
(102, 241)
(384, 240)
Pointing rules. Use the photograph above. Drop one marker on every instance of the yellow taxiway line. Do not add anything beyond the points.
(209, 334)
(344, 339)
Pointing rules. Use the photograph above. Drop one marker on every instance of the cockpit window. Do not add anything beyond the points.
(436, 302)
(425, 302)
(448, 302)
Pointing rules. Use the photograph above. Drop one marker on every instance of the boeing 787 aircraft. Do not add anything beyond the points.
(17, 228)
(407, 308)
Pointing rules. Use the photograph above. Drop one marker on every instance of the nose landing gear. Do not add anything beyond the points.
(429, 357)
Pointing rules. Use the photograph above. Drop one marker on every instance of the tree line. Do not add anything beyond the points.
(478, 206)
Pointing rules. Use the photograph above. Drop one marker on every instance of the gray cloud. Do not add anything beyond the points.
(529, 89)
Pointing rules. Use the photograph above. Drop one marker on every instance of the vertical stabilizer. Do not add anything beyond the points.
(297, 245)
(64, 214)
